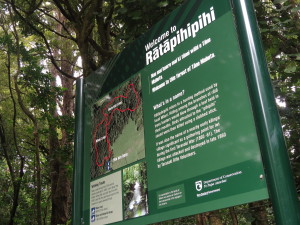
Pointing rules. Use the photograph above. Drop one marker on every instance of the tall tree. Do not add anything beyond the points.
(61, 150)
(16, 174)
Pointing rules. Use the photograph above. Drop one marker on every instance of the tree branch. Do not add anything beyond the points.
(71, 15)
(70, 37)
(99, 49)
(44, 39)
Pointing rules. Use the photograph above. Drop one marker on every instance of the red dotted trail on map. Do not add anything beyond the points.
(107, 120)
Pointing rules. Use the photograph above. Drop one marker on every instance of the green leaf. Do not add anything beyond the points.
(295, 56)
(279, 1)
(123, 10)
(295, 9)
(162, 4)
(291, 67)
(136, 15)
(264, 30)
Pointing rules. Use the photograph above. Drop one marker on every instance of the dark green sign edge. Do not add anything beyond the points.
(77, 200)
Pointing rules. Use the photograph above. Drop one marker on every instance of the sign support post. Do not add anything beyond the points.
(78, 155)
(275, 157)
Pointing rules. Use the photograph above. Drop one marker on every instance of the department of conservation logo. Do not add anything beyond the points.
(198, 185)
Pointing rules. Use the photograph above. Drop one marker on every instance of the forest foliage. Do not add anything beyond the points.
(45, 45)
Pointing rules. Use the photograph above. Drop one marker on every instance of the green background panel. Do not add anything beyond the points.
(226, 69)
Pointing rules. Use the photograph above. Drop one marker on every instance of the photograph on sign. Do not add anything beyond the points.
(135, 191)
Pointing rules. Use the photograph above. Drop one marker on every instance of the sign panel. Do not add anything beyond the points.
(174, 134)
(106, 199)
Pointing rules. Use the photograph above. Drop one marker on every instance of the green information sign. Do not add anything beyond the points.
(171, 132)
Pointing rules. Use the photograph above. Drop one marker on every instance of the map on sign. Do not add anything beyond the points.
(118, 130)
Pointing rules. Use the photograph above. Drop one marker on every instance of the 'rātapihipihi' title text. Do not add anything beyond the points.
(163, 44)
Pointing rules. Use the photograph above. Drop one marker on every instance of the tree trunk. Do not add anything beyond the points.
(259, 213)
(233, 216)
(37, 153)
(31, 116)
(61, 150)
(214, 218)
(60, 181)
(199, 219)
(15, 181)
(87, 62)
(54, 167)
(38, 173)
